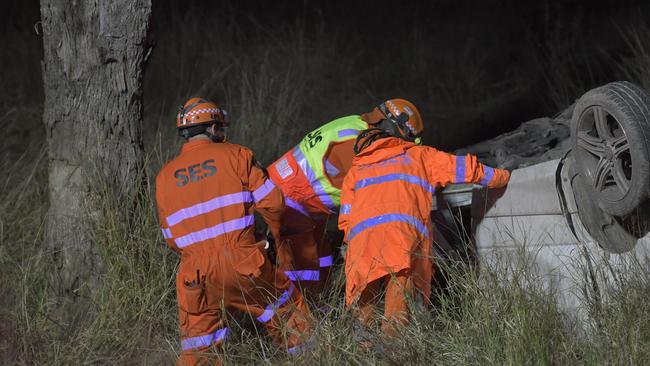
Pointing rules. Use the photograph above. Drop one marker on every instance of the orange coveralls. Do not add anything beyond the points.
(205, 198)
(305, 254)
(385, 214)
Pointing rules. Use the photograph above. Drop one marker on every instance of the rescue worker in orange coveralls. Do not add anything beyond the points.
(310, 176)
(385, 212)
(206, 196)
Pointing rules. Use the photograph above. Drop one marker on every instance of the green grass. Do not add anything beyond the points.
(279, 83)
(481, 319)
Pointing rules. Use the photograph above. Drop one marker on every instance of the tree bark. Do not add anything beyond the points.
(93, 67)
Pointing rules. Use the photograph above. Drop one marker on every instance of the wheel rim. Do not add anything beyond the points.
(604, 152)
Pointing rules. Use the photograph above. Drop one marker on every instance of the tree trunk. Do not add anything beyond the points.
(94, 57)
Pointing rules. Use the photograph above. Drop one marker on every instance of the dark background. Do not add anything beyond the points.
(474, 68)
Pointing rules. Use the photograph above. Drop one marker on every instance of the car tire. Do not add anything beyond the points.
(608, 232)
(610, 130)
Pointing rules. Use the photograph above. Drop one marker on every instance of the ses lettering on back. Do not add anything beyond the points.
(195, 172)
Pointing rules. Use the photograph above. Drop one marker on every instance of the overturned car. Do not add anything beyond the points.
(574, 212)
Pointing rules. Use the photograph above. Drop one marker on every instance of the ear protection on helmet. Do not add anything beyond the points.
(400, 122)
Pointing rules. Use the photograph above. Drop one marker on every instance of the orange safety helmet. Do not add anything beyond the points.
(402, 114)
(199, 111)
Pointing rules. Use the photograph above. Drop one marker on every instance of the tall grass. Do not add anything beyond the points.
(132, 312)
(482, 318)
(635, 64)
(280, 82)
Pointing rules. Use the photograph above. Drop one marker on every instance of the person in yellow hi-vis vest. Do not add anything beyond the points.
(310, 176)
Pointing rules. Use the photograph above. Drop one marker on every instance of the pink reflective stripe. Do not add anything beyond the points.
(167, 234)
(214, 231)
(296, 206)
(263, 190)
(207, 206)
(326, 261)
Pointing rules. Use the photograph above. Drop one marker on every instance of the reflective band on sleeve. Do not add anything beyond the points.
(204, 340)
(383, 219)
(305, 275)
(296, 206)
(326, 261)
(394, 177)
(331, 170)
(348, 132)
(345, 209)
(460, 169)
(207, 206)
(167, 234)
(311, 176)
(214, 231)
(488, 174)
(270, 309)
(263, 190)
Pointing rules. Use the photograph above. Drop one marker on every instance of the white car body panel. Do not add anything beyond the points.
(526, 223)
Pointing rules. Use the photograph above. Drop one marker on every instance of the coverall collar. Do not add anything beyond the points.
(194, 144)
(383, 149)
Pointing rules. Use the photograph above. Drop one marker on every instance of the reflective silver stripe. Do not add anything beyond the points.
(345, 209)
(348, 132)
(214, 231)
(304, 275)
(263, 190)
(270, 309)
(207, 206)
(489, 174)
(313, 180)
(204, 340)
(395, 177)
(460, 169)
(326, 261)
(295, 350)
(296, 206)
(331, 169)
(384, 219)
(167, 234)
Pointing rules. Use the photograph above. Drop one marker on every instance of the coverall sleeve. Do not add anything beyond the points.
(162, 219)
(268, 198)
(347, 196)
(446, 168)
